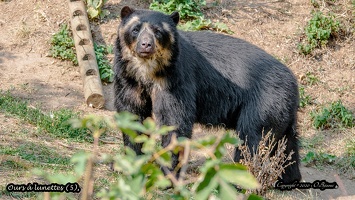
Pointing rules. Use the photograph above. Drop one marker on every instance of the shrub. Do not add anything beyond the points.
(141, 175)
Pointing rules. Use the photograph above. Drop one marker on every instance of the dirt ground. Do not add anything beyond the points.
(276, 26)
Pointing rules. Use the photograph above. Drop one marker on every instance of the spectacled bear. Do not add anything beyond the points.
(182, 78)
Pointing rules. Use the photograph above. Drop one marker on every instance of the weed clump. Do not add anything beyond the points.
(319, 30)
(106, 72)
(268, 163)
(63, 46)
(305, 99)
(321, 158)
(190, 13)
(186, 9)
(335, 116)
(346, 164)
(95, 10)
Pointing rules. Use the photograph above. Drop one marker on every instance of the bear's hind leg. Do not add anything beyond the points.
(292, 172)
(250, 138)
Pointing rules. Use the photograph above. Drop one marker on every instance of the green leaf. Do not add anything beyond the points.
(165, 159)
(207, 141)
(122, 164)
(238, 174)
(228, 138)
(165, 130)
(104, 13)
(63, 178)
(226, 191)
(137, 184)
(156, 177)
(209, 164)
(92, 12)
(208, 183)
(141, 138)
(254, 197)
(125, 191)
(149, 146)
(309, 157)
(131, 133)
(149, 124)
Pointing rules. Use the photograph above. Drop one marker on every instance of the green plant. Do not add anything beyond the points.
(321, 158)
(36, 153)
(350, 147)
(63, 48)
(106, 73)
(326, 158)
(311, 79)
(63, 45)
(94, 9)
(347, 162)
(202, 24)
(188, 9)
(318, 31)
(140, 176)
(309, 158)
(336, 116)
(190, 13)
(304, 99)
(54, 122)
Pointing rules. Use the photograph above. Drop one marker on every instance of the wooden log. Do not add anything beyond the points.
(85, 54)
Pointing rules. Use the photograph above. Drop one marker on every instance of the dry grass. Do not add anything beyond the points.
(24, 31)
(266, 165)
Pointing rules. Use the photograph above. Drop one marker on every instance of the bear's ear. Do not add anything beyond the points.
(126, 11)
(175, 16)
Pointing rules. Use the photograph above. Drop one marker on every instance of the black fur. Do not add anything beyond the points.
(211, 79)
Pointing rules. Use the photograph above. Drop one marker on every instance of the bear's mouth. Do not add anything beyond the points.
(145, 54)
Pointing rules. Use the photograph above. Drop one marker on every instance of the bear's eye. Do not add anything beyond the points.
(135, 31)
(157, 32)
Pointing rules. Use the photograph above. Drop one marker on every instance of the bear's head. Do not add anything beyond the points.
(147, 34)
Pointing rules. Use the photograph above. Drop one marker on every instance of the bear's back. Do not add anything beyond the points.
(235, 59)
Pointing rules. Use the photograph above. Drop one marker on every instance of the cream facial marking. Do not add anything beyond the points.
(166, 27)
(129, 24)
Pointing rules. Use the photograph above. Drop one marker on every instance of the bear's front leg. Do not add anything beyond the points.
(131, 97)
(174, 108)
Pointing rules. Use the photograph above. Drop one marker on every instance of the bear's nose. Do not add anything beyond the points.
(146, 43)
(145, 47)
